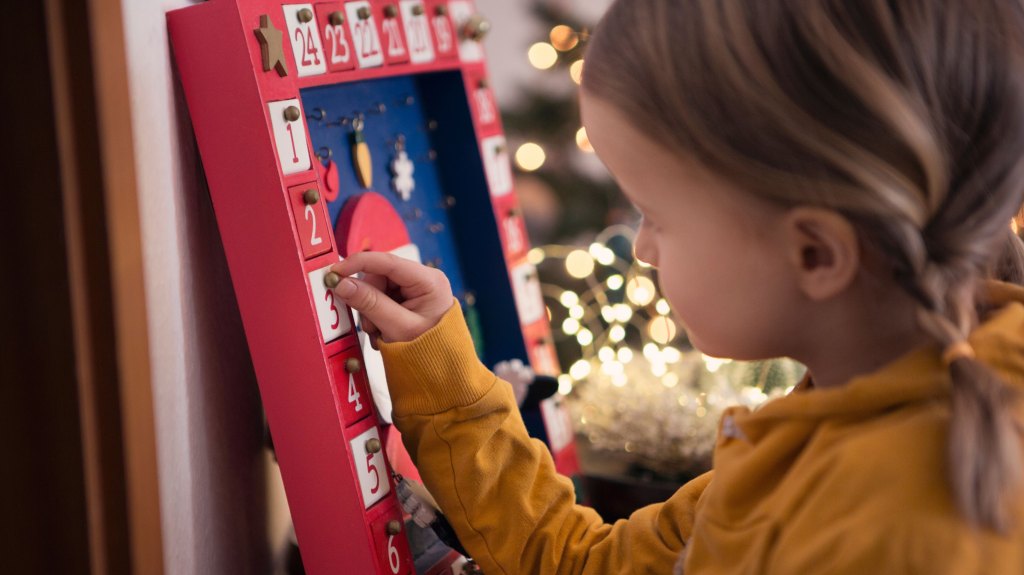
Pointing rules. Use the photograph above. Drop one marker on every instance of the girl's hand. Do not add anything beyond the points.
(397, 299)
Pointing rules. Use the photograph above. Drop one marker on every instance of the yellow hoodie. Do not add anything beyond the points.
(847, 480)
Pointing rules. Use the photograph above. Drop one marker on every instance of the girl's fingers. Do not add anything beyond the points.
(402, 272)
(373, 305)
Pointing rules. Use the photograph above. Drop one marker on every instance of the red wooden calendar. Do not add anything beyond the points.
(332, 127)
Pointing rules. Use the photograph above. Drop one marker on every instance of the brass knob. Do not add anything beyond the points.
(305, 15)
(390, 11)
(311, 196)
(331, 280)
(441, 10)
(394, 527)
(336, 18)
(417, 9)
(363, 13)
(353, 365)
(476, 28)
(291, 113)
(373, 445)
(483, 84)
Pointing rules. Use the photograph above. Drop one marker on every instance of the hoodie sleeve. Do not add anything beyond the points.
(497, 486)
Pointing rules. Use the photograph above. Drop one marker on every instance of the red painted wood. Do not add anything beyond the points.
(268, 242)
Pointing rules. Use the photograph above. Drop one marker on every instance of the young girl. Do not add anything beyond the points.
(831, 181)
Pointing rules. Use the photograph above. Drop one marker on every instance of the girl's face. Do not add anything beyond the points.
(719, 263)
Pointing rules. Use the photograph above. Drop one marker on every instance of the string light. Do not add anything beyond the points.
(569, 298)
(579, 264)
(585, 337)
(580, 370)
(542, 55)
(617, 333)
(662, 307)
(576, 312)
(662, 329)
(576, 71)
(615, 282)
(564, 384)
(530, 157)
(640, 290)
(583, 141)
(570, 326)
(713, 364)
(606, 354)
(625, 354)
(564, 38)
(535, 256)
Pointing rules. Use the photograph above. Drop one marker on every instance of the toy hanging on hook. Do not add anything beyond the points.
(328, 173)
(361, 158)
(402, 170)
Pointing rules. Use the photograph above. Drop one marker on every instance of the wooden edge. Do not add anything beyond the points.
(113, 106)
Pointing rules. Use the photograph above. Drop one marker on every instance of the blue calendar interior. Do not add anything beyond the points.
(449, 215)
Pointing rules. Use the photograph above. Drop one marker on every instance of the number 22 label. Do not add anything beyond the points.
(364, 34)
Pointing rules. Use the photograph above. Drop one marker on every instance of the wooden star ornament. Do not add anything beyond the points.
(270, 46)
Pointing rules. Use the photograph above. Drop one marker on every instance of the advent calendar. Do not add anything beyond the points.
(329, 128)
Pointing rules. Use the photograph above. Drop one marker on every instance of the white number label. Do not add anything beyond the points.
(353, 393)
(526, 287)
(443, 33)
(314, 239)
(340, 51)
(370, 468)
(393, 35)
(469, 50)
(290, 137)
(364, 35)
(394, 561)
(417, 30)
(485, 106)
(497, 165)
(556, 421)
(305, 40)
(514, 234)
(333, 318)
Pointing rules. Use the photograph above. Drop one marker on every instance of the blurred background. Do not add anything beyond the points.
(135, 438)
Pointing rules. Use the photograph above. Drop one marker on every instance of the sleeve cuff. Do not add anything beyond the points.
(437, 371)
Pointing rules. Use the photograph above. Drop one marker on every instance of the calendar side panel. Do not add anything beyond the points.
(211, 46)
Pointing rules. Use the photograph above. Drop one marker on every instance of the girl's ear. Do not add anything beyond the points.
(823, 249)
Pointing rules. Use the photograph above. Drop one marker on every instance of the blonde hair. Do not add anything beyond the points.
(906, 116)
